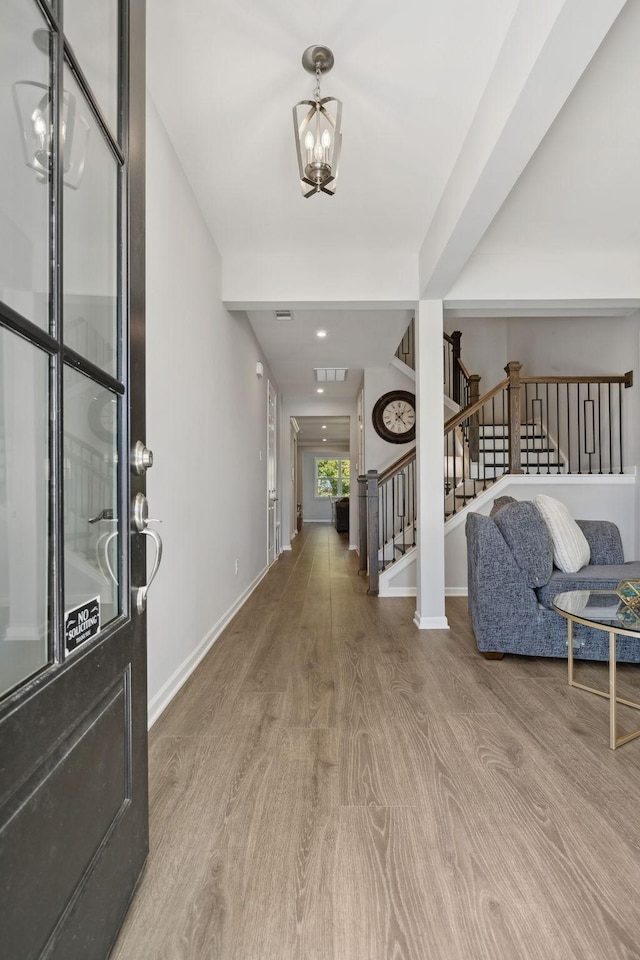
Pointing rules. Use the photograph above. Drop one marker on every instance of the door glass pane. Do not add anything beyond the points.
(90, 231)
(91, 27)
(24, 522)
(24, 160)
(91, 539)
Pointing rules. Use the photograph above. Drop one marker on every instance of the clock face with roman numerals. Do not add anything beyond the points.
(394, 416)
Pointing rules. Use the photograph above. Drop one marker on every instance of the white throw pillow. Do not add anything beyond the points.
(571, 549)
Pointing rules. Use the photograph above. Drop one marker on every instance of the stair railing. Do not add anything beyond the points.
(407, 348)
(463, 477)
(387, 516)
(452, 368)
(534, 425)
(455, 374)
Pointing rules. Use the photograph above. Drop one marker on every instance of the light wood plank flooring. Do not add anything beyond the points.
(334, 784)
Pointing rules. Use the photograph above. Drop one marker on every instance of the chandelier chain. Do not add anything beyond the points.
(316, 92)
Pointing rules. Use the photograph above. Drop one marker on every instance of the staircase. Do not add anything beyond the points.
(525, 425)
(538, 454)
(387, 517)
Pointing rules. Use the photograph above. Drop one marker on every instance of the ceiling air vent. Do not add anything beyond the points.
(330, 374)
(283, 315)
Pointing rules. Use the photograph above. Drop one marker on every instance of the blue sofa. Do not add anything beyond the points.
(512, 585)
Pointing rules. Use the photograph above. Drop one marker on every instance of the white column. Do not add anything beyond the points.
(430, 613)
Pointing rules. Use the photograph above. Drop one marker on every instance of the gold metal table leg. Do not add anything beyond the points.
(570, 650)
(614, 740)
(613, 698)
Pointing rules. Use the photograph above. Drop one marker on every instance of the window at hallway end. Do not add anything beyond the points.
(332, 477)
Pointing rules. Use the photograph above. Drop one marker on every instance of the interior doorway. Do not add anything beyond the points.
(323, 466)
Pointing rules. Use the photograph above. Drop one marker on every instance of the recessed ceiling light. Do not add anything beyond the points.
(324, 426)
(324, 439)
(321, 333)
(320, 390)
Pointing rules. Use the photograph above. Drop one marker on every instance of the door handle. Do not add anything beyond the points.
(141, 592)
(141, 520)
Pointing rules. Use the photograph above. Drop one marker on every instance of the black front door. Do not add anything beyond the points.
(73, 774)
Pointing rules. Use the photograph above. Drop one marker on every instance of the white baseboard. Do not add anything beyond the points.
(399, 592)
(456, 592)
(317, 521)
(179, 677)
(430, 623)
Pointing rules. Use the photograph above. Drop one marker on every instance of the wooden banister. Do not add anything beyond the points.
(398, 465)
(462, 415)
(513, 369)
(626, 379)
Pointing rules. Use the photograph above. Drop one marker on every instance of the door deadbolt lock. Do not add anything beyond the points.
(142, 459)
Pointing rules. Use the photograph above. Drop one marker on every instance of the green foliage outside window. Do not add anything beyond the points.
(333, 477)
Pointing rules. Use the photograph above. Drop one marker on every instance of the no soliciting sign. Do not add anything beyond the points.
(81, 623)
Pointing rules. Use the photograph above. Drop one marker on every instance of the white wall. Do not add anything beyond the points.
(378, 453)
(318, 508)
(206, 424)
(483, 348)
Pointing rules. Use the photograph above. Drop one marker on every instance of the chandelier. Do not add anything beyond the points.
(317, 129)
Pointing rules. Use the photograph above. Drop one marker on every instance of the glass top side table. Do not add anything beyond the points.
(603, 610)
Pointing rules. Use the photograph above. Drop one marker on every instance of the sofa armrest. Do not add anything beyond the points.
(498, 594)
(604, 541)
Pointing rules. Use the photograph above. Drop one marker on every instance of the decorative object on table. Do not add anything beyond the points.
(394, 416)
(629, 593)
(317, 129)
(630, 616)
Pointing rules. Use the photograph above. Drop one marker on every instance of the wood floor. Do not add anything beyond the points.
(334, 784)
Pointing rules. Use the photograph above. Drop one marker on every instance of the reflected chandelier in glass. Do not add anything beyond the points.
(35, 115)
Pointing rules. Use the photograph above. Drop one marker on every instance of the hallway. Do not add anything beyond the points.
(333, 784)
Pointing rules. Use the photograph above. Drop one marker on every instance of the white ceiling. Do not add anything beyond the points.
(316, 431)
(412, 75)
(225, 75)
(355, 340)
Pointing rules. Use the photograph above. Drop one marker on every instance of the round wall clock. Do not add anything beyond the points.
(394, 416)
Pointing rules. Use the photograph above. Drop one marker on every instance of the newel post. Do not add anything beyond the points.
(514, 413)
(456, 387)
(373, 535)
(362, 524)
(474, 430)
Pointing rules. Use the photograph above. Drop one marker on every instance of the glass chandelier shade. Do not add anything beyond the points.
(33, 106)
(317, 128)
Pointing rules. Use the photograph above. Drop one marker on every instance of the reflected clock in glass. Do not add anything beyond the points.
(102, 416)
(394, 416)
